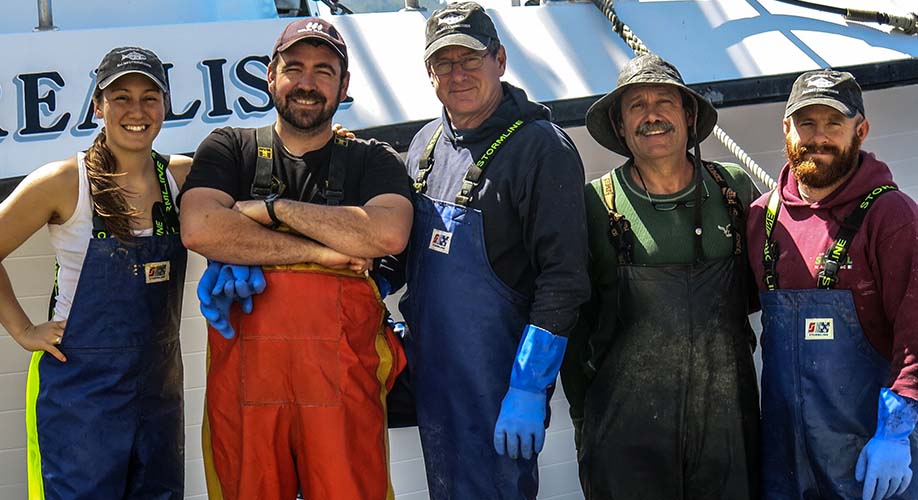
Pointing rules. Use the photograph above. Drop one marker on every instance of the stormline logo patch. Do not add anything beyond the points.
(819, 329)
(440, 241)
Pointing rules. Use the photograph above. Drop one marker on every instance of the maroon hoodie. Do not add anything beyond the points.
(882, 270)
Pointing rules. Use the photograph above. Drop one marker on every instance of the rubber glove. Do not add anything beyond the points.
(520, 428)
(382, 284)
(399, 328)
(883, 464)
(240, 283)
(215, 306)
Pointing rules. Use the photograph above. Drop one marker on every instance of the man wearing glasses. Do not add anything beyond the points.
(496, 267)
(659, 372)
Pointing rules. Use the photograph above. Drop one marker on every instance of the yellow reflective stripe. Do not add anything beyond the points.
(36, 482)
(315, 268)
(382, 375)
(771, 212)
(608, 192)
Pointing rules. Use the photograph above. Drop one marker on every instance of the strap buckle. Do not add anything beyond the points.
(828, 277)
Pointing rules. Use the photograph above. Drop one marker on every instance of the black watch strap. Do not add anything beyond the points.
(269, 205)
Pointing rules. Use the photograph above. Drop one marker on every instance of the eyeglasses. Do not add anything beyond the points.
(667, 206)
(468, 63)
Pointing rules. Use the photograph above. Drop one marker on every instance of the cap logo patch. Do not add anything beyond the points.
(310, 27)
(134, 56)
(820, 82)
(450, 19)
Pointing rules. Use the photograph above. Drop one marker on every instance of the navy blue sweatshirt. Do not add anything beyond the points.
(531, 200)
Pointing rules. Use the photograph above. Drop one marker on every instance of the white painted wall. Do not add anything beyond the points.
(893, 136)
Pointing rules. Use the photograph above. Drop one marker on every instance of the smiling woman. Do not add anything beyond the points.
(113, 335)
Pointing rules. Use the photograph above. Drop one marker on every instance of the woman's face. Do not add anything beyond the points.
(133, 108)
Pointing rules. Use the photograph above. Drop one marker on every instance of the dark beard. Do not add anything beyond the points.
(307, 122)
(819, 175)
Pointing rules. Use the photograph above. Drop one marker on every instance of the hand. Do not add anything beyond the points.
(215, 304)
(520, 429)
(333, 259)
(240, 282)
(255, 210)
(44, 337)
(883, 464)
(340, 131)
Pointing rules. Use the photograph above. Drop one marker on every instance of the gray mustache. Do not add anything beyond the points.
(656, 126)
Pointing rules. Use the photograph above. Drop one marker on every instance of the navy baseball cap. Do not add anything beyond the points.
(121, 61)
(836, 89)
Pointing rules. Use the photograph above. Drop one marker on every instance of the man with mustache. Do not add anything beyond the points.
(296, 389)
(834, 249)
(659, 372)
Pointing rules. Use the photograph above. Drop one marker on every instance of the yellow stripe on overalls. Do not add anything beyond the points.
(36, 482)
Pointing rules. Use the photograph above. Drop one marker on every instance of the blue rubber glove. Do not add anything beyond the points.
(399, 328)
(215, 306)
(382, 284)
(883, 464)
(520, 428)
(240, 283)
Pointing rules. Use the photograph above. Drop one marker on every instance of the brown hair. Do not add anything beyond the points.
(107, 196)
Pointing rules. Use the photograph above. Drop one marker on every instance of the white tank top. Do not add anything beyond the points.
(71, 239)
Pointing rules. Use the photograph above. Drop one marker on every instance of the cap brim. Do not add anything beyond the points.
(459, 39)
(599, 123)
(832, 103)
(600, 126)
(111, 79)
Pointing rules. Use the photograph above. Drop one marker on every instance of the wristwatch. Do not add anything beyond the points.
(269, 205)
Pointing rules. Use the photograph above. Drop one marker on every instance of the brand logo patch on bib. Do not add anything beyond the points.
(440, 241)
(819, 329)
(156, 272)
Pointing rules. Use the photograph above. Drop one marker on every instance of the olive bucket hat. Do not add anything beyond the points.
(642, 70)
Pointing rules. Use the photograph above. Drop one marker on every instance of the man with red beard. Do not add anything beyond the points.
(834, 249)
(296, 389)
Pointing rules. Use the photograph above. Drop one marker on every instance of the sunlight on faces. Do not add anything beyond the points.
(467, 94)
(654, 121)
(818, 131)
(133, 108)
(307, 86)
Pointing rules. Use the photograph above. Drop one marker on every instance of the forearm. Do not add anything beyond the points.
(365, 231)
(229, 236)
(12, 316)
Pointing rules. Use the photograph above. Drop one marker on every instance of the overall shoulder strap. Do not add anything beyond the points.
(165, 215)
(426, 161)
(620, 235)
(770, 249)
(734, 205)
(473, 174)
(264, 162)
(337, 171)
(837, 253)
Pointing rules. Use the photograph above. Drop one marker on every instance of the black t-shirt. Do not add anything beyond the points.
(226, 159)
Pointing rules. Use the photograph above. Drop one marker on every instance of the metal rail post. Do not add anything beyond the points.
(45, 17)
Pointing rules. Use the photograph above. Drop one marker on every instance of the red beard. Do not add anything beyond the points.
(816, 173)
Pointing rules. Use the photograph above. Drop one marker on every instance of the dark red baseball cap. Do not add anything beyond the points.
(314, 28)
